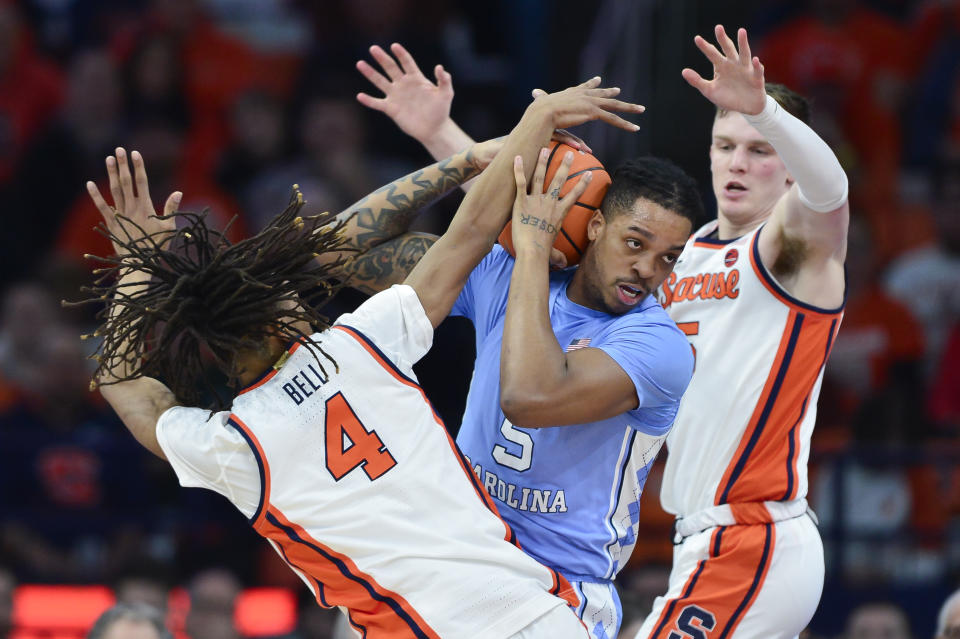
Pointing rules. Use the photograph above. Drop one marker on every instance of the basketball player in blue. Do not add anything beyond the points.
(579, 373)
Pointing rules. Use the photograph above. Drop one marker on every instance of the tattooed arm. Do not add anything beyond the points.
(377, 226)
(389, 263)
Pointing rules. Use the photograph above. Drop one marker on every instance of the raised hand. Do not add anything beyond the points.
(132, 216)
(417, 105)
(737, 83)
(538, 215)
(586, 102)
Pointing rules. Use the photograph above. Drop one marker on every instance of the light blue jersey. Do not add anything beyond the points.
(571, 493)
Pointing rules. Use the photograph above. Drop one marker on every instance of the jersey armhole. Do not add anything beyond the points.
(777, 290)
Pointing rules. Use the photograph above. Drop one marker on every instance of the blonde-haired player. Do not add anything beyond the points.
(760, 294)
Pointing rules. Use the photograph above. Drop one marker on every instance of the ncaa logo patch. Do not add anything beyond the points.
(731, 257)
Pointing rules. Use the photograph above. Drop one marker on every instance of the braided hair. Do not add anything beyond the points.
(207, 296)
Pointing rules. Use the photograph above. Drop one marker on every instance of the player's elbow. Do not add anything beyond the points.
(524, 408)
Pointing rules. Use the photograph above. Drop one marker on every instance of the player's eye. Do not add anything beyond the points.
(670, 259)
(634, 244)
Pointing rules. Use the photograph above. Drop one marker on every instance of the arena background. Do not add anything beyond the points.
(232, 101)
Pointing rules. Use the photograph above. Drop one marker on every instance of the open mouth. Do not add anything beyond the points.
(630, 295)
(734, 187)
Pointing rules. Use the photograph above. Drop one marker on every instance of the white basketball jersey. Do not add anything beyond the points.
(359, 488)
(742, 433)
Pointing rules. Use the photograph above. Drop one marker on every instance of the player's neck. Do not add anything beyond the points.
(251, 364)
(731, 229)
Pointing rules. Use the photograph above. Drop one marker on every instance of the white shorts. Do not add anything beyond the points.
(758, 581)
(599, 608)
(559, 623)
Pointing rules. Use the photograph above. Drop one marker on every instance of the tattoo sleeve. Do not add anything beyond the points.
(388, 212)
(387, 263)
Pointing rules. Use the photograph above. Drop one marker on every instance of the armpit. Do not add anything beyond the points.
(793, 253)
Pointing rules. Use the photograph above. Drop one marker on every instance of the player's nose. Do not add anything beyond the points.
(644, 268)
(738, 160)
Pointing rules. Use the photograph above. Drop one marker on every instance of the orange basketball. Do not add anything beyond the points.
(572, 238)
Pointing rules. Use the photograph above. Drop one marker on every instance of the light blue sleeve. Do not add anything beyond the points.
(658, 359)
(470, 301)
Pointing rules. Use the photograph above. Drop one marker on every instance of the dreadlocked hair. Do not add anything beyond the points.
(206, 295)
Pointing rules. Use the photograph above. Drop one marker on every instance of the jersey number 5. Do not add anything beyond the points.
(504, 457)
(349, 444)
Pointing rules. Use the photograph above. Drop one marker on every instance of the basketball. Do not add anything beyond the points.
(572, 238)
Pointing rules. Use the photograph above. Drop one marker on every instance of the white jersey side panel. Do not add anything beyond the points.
(742, 433)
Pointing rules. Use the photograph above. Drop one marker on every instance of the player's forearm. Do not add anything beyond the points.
(446, 140)
(532, 363)
(388, 263)
(131, 283)
(390, 210)
(821, 181)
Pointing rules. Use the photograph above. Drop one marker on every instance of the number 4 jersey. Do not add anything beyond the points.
(341, 463)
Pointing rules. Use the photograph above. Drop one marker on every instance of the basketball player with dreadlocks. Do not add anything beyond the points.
(330, 447)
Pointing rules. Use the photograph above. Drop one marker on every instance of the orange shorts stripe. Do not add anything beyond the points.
(722, 588)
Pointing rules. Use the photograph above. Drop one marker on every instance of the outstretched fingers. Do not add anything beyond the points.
(521, 179)
(592, 83)
(406, 60)
(695, 80)
(574, 194)
(172, 203)
(377, 104)
(105, 209)
(744, 45)
(126, 180)
(712, 53)
(114, 179)
(606, 106)
(140, 176)
(375, 78)
(726, 44)
(561, 175)
(386, 61)
(536, 184)
(444, 79)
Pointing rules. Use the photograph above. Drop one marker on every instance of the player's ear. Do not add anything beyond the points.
(595, 224)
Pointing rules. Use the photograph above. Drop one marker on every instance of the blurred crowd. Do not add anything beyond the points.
(233, 101)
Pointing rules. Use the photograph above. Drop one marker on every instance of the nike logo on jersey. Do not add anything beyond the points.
(705, 286)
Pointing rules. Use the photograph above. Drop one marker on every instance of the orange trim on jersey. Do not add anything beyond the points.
(403, 379)
(719, 592)
(270, 373)
(379, 612)
(763, 468)
(777, 291)
(713, 244)
(262, 464)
